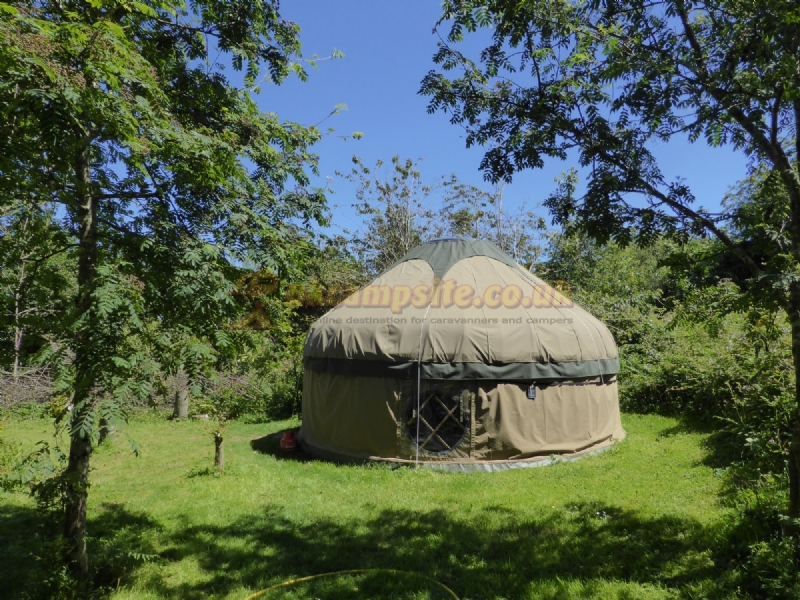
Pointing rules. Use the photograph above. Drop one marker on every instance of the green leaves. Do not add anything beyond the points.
(39, 473)
(147, 10)
(188, 179)
(170, 179)
(601, 80)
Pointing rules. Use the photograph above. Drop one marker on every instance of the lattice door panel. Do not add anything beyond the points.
(443, 419)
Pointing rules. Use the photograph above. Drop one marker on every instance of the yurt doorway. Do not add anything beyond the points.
(439, 420)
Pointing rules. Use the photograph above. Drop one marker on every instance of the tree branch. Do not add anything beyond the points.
(118, 228)
(128, 195)
(690, 36)
(212, 32)
(796, 105)
(52, 254)
(708, 224)
(776, 111)
(685, 211)
(772, 150)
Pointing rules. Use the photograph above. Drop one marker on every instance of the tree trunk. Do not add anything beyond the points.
(794, 448)
(219, 453)
(181, 405)
(791, 179)
(18, 330)
(106, 430)
(77, 472)
(77, 480)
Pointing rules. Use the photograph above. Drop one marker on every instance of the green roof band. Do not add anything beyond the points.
(519, 371)
(441, 254)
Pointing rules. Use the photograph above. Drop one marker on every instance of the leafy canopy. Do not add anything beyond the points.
(603, 80)
(188, 180)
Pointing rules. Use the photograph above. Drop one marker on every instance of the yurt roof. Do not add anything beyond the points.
(442, 253)
(485, 317)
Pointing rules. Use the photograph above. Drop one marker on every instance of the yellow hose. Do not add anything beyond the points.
(292, 582)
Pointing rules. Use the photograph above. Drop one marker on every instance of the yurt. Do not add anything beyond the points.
(458, 358)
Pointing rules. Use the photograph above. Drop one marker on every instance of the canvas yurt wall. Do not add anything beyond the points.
(457, 356)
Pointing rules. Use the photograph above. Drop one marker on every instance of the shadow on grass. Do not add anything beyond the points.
(24, 532)
(487, 553)
(31, 551)
(720, 448)
(493, 554)
(271, 445)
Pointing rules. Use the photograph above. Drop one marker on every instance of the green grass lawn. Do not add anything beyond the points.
(635, 522)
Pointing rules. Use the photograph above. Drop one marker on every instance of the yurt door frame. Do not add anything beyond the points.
(439, 417)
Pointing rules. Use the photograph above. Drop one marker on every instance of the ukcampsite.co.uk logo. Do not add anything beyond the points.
(444, 294)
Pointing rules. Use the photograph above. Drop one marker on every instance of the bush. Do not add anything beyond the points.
(772, 569)
(698, 347)
(25, 410)
(275, 396)
(763, 562)
(10, 456)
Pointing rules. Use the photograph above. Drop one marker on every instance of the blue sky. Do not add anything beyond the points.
(388, 49)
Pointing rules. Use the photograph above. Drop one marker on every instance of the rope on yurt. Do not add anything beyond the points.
(291, 582)
(599, 363)
(419, 382)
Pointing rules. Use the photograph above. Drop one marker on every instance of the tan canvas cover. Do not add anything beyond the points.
(352, 418)
(478, 331)
(368, 326)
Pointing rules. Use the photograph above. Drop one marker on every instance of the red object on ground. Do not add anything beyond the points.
(288, 442)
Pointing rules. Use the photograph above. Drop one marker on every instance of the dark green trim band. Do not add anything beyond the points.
(521, 371)
(442, 254)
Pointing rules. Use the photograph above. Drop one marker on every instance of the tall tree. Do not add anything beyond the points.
(396, 210)
(35, 281)
(475, 212)
(401, 211)
(604, 79)
(122, 113)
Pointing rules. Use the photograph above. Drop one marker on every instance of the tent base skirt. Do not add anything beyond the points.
(485, 466)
